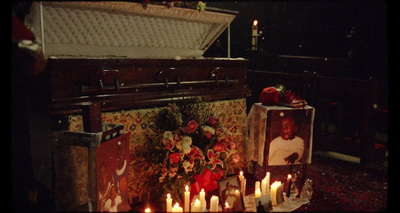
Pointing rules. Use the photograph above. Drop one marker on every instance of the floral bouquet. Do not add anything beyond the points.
(187, 146)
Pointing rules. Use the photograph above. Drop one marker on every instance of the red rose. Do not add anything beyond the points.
(175, 157)
(213, 121)
(191, 127)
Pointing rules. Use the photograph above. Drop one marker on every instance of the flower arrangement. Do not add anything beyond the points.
(187, 146)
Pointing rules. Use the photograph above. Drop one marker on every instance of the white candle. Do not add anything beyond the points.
(214, 204)
(275, 189)
(264, 186)
(177, 208)
(257, 186)
(187, 198)
(203, 199)
(169, 203)
(257, 193)
(196, 206)
(273, 193)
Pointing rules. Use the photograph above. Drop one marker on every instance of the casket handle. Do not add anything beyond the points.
(166, 82)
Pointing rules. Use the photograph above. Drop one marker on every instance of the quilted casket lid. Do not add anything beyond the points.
(124, 30)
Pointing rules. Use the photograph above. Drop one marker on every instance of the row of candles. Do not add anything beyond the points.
(197, 206)
(275, 190)
(261, 188)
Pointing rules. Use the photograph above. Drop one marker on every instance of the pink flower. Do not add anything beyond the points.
(219, 147)
(175, 157)
(214, 159)
(191, 127)
(213, 121)
(195, 154)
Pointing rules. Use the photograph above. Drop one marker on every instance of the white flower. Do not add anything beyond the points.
(184, 145)
(168, 135)
(208, 129)
(187, 166)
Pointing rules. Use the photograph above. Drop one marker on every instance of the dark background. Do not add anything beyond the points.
(356, 31)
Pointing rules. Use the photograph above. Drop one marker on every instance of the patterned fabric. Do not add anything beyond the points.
(232, 113)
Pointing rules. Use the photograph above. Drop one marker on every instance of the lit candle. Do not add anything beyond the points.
(288, 183)
(274, 191)
(147, 210)
(214, 204)
(242, 183)
(169, 203)
(241, 176)
(254, 35)
(257, 193)
(227, 207)
(196, 206)
(264, 186)
(187, 198)
(177, 208)
(255, 28)
(203, 199)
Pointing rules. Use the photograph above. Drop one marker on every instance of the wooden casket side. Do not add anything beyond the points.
(141, 83)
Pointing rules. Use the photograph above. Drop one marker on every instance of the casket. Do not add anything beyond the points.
(131, 57)
(126, 56)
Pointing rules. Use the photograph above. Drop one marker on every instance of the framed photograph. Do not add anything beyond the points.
(112, 162)
(229, 191)
(263, 203)
(289, 136)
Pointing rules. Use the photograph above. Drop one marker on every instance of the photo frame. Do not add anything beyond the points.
(289, 137)
(229, 191)
(263, 203)
(112, 162)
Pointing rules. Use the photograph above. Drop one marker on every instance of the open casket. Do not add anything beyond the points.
(129, 58)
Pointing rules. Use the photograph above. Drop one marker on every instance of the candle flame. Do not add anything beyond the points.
(255, 22)
(168, 195)
(147, 210)
(176, 205)
(187, 188)
(241, 173)
(289, 176)
(226, 204)
(202, 190)
(268, 173)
